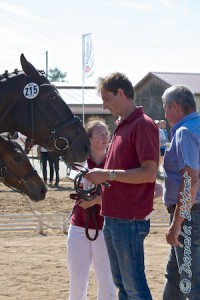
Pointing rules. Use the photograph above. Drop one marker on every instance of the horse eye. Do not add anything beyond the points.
(53, 98)
(17, 158)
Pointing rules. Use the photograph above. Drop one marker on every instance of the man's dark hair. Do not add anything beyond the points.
(114, 82)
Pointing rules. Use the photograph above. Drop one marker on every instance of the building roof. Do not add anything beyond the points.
(192, 80)
(73, 95)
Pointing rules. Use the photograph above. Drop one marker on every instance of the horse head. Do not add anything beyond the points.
(17, 172)
(42, 115)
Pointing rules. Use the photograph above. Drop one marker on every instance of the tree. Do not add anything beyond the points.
(55, 75)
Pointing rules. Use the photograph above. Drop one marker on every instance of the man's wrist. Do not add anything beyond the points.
(112, 175)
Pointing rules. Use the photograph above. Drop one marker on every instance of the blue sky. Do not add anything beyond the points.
(133, 37)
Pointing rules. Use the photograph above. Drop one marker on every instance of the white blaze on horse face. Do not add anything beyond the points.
(31, 90)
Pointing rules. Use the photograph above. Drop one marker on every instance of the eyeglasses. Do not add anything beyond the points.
(101, 136)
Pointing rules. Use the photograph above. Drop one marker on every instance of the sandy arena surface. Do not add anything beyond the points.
(34, 267)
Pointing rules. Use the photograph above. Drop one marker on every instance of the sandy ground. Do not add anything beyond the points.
(35, 267)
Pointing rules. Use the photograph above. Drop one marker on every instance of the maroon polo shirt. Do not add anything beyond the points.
(135, 140)
(78, 217)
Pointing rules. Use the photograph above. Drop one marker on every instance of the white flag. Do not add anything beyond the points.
(88, 55)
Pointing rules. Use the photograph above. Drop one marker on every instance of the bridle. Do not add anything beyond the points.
(87, 195)
(21, 180)
(91, 193)
(54, 138)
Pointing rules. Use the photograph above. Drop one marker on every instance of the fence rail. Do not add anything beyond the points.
(26, 222)
(159, 220)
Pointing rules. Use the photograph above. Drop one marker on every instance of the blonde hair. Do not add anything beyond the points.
(93, 122)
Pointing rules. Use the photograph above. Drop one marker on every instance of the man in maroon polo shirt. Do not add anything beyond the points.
(131, 168)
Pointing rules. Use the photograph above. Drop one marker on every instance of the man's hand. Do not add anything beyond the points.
(97, 176)
(172, 235)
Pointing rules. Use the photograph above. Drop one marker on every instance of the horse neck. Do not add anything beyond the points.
(4, 142)
(1, 144)
(6, 123)
(9, 97)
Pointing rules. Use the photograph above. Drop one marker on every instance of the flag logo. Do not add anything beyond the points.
(88, 55)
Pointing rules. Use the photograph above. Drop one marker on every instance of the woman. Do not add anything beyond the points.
(82, 251)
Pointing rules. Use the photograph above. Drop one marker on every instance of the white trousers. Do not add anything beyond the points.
(81, 252)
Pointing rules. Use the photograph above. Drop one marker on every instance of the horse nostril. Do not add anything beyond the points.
(43, 190)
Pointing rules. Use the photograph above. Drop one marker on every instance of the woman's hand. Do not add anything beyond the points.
(86, 204)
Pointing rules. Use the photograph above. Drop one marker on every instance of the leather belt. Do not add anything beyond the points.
(171, 208)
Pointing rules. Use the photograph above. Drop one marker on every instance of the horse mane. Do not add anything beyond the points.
(10, 142)
(6, 75)
(6, 135)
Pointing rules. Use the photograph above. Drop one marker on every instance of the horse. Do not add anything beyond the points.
(17, 172)
(30, 104)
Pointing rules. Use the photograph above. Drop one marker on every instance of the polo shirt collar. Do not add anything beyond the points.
(132, 116)
(182, 121)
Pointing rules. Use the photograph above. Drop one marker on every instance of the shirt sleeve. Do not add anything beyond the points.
(187, 149)
(147, 142)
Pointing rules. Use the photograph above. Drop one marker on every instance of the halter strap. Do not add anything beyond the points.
(22, 180)
(54, 138)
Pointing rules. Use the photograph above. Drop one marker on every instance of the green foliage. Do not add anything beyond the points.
(55, 75)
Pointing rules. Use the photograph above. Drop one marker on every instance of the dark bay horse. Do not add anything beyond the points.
(31, 105)
(17, 172)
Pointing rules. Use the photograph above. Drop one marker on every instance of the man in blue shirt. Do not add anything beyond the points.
(182, 194)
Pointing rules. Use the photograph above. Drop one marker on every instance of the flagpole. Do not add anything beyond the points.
(83, 79)
(83, 100)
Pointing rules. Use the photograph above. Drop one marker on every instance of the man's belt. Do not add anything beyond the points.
(171, 208)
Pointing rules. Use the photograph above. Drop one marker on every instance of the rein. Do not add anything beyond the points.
(86, 195)
(90, 193)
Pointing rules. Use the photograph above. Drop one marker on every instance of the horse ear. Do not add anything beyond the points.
(28, 68)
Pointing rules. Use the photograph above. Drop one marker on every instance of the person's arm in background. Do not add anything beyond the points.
(187, 194)
(158, 190)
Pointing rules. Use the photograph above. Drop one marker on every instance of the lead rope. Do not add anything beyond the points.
(39, 217)
(87, 195)
(27, 198)
(90, 213)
